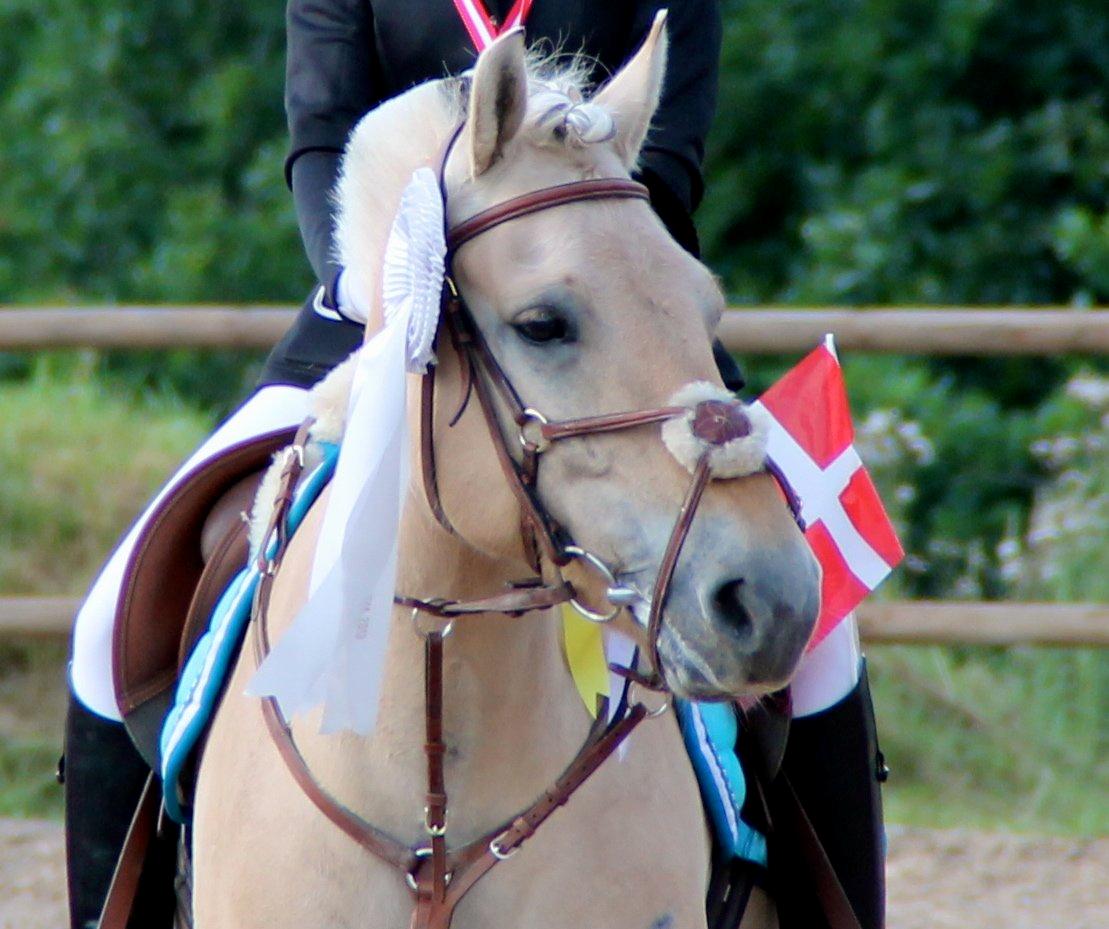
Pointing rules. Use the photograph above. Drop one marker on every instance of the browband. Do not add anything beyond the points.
(603, 188)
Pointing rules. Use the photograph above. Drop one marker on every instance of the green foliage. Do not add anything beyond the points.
(982, 736)
(32, 710)
(899, 151)
(867, 151)
(79, 463)
(143, 153)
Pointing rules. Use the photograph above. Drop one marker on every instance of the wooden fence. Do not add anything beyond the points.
(761, 330)
(915, 622)
(946, 331)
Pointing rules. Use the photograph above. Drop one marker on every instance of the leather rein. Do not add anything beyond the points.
(438, 877)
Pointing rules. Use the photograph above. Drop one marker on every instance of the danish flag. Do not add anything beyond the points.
(811, 443)
(482, 27)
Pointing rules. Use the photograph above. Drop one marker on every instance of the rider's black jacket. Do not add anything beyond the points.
(346, 56)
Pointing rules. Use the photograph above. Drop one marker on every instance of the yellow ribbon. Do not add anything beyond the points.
(586, 655)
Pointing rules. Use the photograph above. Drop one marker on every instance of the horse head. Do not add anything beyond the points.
(591, 307)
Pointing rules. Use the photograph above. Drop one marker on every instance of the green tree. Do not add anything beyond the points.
(142, 153)
(912, 151)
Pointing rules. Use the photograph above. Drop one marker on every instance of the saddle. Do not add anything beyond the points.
(181, 564)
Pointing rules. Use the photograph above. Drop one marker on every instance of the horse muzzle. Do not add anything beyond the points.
(737, 622)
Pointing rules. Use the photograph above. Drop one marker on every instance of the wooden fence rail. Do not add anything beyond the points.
(761, 330)
(909, 622)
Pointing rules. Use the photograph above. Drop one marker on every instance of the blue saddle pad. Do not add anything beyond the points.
(708, 729)
(202, 679)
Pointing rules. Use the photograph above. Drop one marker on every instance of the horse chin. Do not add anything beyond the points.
(724, 672)
(693, 688)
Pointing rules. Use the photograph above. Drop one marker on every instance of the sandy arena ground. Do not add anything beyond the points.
(937, 880)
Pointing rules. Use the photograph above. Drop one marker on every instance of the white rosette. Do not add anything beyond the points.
(415, 255)
(333, 653)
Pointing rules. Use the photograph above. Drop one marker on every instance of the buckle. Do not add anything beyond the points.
(433, 830)
(497, 852)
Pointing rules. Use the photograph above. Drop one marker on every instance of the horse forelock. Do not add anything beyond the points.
(559, 109)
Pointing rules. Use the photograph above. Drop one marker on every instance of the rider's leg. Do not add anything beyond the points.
(269, 409)
(834, 765)
(104, 773)
(103, 779)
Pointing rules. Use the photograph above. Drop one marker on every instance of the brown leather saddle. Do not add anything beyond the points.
(190, 549)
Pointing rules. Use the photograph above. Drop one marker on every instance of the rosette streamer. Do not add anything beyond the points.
(333, 653)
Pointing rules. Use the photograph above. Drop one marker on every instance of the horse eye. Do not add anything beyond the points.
(543, 325)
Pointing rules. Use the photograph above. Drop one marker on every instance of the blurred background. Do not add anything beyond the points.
(866, 152)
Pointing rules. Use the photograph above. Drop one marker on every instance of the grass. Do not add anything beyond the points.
(991, 738)
(78, 464)
(32, 716)
(1011, 738)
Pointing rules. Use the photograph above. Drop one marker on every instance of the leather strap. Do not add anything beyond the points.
(291, 471)
(670, 556)
(438, 878)
(515, 602)
(503, 843)
(428, 468)
(604, 188)
(374, 840)
(125, 882)
(833, 898)
(487, 373)
(435, 810)
(610, 422)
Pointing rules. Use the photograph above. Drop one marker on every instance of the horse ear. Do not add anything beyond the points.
(633, 93)
(498, 100)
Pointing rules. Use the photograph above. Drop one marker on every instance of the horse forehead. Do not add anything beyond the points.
(526, 167)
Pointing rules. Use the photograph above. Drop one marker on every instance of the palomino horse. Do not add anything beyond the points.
(588, 307)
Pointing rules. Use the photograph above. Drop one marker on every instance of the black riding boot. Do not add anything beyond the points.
(833, 763)
(104, 778)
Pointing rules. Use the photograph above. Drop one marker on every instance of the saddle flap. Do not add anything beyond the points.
(165, 568)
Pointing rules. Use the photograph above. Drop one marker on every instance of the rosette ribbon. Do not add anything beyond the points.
(333, 653)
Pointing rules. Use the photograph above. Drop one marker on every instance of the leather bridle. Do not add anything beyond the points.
(438, 877)
(541, 536)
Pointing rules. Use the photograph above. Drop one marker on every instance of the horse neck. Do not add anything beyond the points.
(512, 718)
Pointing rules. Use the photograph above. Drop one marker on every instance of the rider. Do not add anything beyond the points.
(344, 57)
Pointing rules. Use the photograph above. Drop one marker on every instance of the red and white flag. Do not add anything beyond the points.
(811, 442)
(482, 27)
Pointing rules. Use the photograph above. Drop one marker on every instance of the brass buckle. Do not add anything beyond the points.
(436, 832)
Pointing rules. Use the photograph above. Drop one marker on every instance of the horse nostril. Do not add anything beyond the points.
(729, 605)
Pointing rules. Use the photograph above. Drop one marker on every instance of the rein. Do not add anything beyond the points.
(437, 876)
